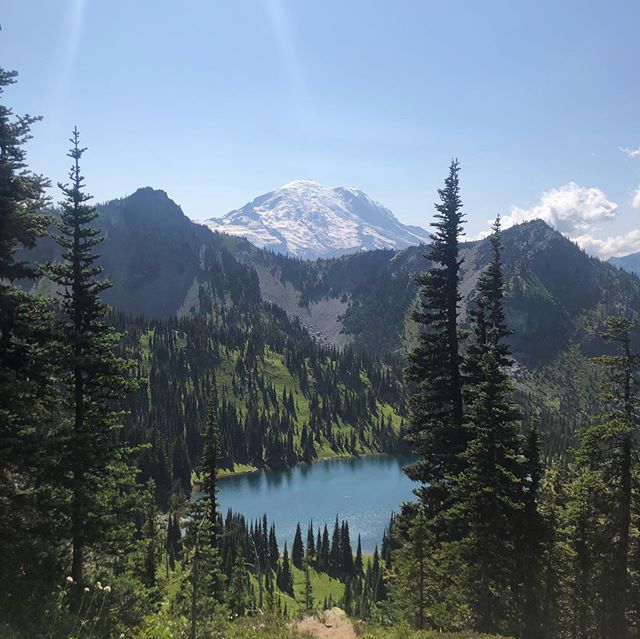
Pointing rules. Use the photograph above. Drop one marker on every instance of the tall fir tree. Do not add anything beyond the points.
(284, 576)
(359, 563)
(310, 550)
(489, 490)
(97, 471)
(209, 464)
(308, 587)
(22, 223)
(346, 552)
(150, 542)
(532, 536)
(609, 447)
(297, 550)
(335, 554)
(29, 525)
(436, 432)
(198, 598)
(412, 587)
(239, 594)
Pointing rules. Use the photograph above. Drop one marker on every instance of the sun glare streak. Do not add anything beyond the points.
(77, 10)
(282, 35)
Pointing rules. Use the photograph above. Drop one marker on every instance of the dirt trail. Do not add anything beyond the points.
(331, 624)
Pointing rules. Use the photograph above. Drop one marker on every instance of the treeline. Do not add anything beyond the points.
(283, 398)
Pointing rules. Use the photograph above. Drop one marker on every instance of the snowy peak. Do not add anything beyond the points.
(310, 220)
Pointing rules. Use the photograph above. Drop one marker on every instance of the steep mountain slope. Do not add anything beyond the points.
(308, 220)
(161, 263)
(629, 263)
(556, 293)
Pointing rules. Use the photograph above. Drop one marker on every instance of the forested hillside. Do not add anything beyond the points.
(282, 397)
(159, 261)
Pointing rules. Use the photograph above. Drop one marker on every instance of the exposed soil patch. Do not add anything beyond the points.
(331, 624)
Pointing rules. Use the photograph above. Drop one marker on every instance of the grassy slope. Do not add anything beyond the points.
(272, 367)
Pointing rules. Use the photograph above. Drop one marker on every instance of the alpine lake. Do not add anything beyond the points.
(363, 490)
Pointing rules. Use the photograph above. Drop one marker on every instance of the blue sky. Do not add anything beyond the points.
(217, 102)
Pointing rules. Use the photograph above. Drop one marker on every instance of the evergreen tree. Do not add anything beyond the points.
(239, 594)
(606, 460)
(311, 544)
(531, 539)
(22, 345)
(284, 577)
(209, 465)
(586, 495)
(348, 597)
(489, 490)
(436, 432)
(297, 550)
(151, 538)
(174, 539)
(413, 584)
(346, 552)
(622, 395)
(335, 553)
(359, 564)
(29, 522)
(308, 589)
(202, 578)
(97, 473)
(323, 554)
(274, 553)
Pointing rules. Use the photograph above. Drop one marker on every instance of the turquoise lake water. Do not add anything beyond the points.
(364, 491)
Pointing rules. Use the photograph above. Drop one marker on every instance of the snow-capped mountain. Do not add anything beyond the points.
(310, 220)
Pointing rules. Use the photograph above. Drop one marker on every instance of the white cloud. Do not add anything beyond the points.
(609, 246)
(631, 153)
(570, 208)
(576, 212)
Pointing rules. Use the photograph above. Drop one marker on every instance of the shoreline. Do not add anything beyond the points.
(254, 469)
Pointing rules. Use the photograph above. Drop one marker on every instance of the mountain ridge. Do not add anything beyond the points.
(630, 263)
(163, 264)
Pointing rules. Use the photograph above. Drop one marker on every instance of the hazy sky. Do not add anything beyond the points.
(217, 102)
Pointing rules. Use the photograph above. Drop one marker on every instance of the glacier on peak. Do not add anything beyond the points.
(310, 220)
